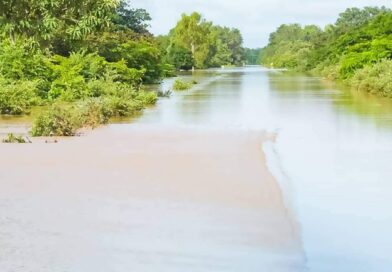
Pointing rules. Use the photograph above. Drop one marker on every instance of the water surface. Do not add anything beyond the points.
(332, 156)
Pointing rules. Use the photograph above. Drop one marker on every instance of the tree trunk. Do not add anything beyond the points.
(193, 55)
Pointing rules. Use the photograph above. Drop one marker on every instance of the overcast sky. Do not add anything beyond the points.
(255, 18)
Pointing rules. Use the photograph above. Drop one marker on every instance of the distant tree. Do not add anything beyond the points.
(252, 56)
(191, 33)
(135, 19)
(225, 46)
(210, 45)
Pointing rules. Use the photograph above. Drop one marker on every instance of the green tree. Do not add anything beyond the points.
(134, 19)
(210, 45)
(252, 56)
(353, 18)
(44, 19)
(190, 33)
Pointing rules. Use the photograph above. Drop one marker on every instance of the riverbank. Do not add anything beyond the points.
(144, 199)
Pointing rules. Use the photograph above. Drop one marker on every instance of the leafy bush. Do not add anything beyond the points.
(69, 83)
(353, 62)
(139, 53)
(16, 97)
(84, 75)
(120, 107)
(328, 71)
(59, 120)
(180, 85)
(12, 139)
(93, 113)
(147, 98)
(22, 60)
(375, 78)
(120, 72)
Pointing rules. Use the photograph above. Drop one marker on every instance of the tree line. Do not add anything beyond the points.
(357, 48)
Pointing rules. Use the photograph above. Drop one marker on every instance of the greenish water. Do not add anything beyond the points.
(332, 156)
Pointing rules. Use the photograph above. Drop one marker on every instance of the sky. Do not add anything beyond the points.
(255, 18)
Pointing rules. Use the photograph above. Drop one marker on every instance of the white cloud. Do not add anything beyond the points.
(255, 18)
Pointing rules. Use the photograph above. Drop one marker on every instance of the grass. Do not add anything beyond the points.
(13, 139)
(180, 85)
(166, 93)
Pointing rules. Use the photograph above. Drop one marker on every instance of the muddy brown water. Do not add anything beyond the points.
(331, 159)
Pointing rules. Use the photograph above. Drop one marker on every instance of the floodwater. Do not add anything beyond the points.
(332, 155)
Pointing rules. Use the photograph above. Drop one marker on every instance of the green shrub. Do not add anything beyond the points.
(169, 70)
(375, 78)
(122, 107)
(147, 98)
(93, 113)
(180, 85)
(12, 139)
(22, 60)
(81, 75)
(330, 71)
(139, 53)
(120, 72)
(57, 121)
(17, 97)
(353, 62)
(69, 83)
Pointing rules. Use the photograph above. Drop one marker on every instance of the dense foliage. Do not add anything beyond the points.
(180, 85)
(252, 56)
(196, 42)
(357, 48)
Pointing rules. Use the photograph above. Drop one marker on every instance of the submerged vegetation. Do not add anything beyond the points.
(87, 61)
(13, 139)
(180, 85)
(356, 49)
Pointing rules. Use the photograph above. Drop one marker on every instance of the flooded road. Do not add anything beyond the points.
(332, 158)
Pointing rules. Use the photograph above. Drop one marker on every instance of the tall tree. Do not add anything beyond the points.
(191, 32)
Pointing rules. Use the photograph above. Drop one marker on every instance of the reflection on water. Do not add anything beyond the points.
(334, 146)
(18, 124)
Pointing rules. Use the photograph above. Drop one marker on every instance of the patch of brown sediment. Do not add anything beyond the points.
(144, 199)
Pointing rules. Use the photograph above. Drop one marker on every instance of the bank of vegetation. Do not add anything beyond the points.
(356, 49)
(87, 61)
